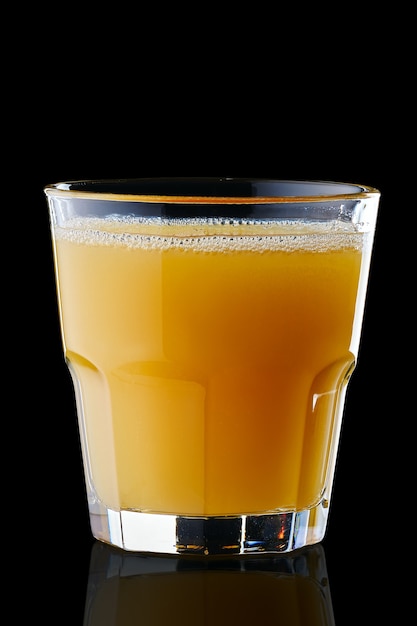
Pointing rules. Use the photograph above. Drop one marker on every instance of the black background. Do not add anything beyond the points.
(74, 136)
(363, 517)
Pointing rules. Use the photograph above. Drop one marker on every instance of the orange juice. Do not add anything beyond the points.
(210, 361)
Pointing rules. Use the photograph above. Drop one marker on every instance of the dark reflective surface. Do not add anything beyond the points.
(125, 589)
(78, 581)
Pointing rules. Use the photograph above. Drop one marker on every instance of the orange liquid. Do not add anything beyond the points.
(211, 372)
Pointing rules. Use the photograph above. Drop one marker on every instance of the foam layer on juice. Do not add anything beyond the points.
(211, 235)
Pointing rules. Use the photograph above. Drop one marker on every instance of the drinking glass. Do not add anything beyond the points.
(211, 326)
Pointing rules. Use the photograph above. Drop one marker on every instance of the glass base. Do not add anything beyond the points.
(152, 533)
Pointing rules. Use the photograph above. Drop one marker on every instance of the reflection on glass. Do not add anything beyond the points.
(125, 589)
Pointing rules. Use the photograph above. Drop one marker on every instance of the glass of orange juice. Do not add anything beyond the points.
(211, 326)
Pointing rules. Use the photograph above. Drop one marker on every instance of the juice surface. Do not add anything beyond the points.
(210, 367)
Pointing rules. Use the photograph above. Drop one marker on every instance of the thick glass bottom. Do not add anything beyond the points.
(272, 532)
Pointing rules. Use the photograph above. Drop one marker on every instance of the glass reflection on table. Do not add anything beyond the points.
(126, 589)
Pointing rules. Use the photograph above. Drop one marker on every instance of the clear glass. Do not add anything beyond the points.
(211, 327)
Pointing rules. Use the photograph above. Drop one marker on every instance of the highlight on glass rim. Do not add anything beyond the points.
(211, 327)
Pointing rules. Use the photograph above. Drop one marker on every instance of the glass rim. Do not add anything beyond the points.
(252, 190)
